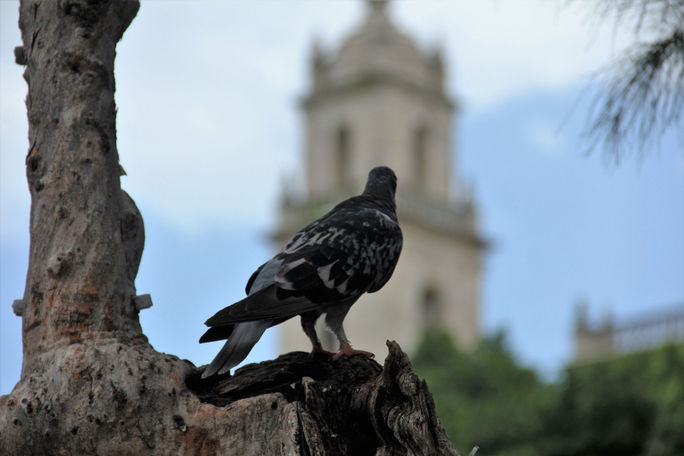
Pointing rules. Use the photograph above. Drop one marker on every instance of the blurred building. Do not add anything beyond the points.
(380, 100)
(608, 338)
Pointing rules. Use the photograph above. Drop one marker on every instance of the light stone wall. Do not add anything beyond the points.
(382, 123)
(397, 55)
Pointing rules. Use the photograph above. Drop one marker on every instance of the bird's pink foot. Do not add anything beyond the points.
(347, 350)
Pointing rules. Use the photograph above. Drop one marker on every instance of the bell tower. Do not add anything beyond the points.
(380, 100)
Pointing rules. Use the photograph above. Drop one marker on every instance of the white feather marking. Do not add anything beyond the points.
(287, 267)
(384, 217)
(324, 274)
(336, 232)
(295, 243)
(342, 288)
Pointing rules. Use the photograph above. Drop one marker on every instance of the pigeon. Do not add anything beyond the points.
(323, 269)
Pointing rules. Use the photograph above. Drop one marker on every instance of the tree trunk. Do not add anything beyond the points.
(90, 382)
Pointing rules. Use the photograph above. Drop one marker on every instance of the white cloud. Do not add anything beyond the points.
(498, 50)
(544, 137)
(207, 91)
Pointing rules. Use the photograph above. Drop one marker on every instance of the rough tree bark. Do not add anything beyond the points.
(90, 381)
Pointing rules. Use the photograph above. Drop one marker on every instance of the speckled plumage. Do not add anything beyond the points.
(323, 268)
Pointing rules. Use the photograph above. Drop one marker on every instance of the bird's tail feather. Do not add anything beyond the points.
(238, 346)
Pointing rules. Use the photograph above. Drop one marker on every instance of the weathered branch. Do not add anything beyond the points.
(343, 407)
(130, 400)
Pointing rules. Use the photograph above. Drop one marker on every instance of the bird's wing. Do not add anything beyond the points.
(252, 279)
(262, 305)
(351, 250)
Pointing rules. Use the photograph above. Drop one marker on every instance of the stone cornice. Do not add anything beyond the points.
(371, 80)
(451, 218)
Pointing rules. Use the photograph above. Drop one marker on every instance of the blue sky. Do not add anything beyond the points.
(568, 227)
(208, 128)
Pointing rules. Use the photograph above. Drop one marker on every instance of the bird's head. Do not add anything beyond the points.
(381, 183)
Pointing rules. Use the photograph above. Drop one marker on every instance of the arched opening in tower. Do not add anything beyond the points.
(342, 155)
(420, 157)
(430, 308)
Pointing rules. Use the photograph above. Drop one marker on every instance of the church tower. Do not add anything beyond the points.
(380, 100)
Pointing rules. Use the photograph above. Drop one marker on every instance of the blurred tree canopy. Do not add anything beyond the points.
(631, 405)
(484, 398)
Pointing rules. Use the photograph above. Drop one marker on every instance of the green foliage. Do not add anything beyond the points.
(631, 405)
(484, 398)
